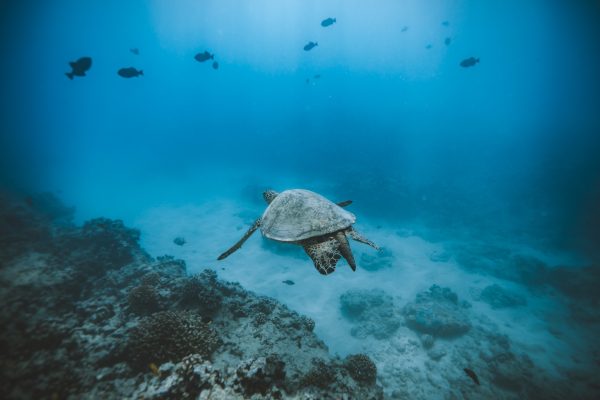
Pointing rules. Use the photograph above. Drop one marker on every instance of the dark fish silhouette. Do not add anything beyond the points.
(447, 41)
(317, 76)
(201, 57)
(215, 65)
(446, 23)
(288, 282)
(135, 51)
(472, 375)
(469, 62)
(79, 67)
(130, 72)
(328, 22)
(429, 46)
(404, 29)
(310, 45)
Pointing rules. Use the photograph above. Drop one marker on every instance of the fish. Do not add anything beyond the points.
(310, 45)
(447, 41)
(328, 22)
(201, 57)
(429, 46)
(472, 375)
(79, 67)
(446, 23)
(469, 62)
(288, 282)
(404, 29)
(154, 369)
(215, 65)
(317, 76)
(130, 72)
(135, 51)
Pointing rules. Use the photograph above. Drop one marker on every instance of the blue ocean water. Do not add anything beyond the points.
(435, 156)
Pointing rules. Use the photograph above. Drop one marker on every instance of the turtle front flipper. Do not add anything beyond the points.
(360, 238)
(325, 254)
(239, 244)
(344, 203)
(344, 247)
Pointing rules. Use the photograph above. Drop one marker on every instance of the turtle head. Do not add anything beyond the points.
(269, 195)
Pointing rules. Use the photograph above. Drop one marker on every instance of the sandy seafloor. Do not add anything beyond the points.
(542, 330)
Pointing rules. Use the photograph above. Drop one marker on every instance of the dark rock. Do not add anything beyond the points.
(498, 297)
(438, 313)
(143, 300)
(372, 311)
(169, 336)
(509, 371)
(361, 368)
(202, 292)
(260, 374)
(321, 375)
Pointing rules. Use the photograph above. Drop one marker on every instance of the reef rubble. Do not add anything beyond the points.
(88, 314)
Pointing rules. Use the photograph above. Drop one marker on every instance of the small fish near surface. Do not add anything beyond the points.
(446, 23)
(328, 22)
(79, 67)
(202, 57)
(404, 29)
(469, 62)
(310, 45)
(135, 51)
(215, 65)
(130, 72)
(447, 41)
(288, 282)
(471, 375)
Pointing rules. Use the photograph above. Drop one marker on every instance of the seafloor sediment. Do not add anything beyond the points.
(87, 313)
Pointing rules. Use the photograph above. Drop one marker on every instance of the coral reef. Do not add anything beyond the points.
(169, 336)
(372, 311)
(437, 312)
(499, 297)
(143, 299)
(68, 330)
(361, 368)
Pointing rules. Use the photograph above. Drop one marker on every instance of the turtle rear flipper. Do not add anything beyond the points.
(239, 244)
(325, 254)
(360, 238)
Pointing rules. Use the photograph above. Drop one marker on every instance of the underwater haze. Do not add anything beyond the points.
(466, 134)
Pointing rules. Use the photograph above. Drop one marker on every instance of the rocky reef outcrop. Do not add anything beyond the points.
(88, 314)
(372, 312)
(437, 312)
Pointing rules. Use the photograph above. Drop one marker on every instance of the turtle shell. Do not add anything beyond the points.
(299, 214)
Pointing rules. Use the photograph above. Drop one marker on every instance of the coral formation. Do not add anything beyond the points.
(321, 375)
(437, 312)
(361, 368)
(372, 311)
(169, 336)
(143, 299)
(68, 330)
(498, 297)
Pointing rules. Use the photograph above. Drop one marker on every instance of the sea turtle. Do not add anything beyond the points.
(310, 220)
